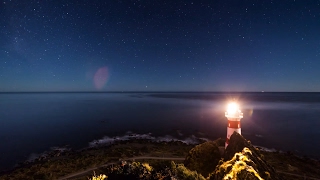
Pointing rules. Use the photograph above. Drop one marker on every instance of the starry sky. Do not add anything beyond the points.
(159, 45)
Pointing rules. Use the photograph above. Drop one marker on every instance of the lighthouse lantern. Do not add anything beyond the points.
(234, 116)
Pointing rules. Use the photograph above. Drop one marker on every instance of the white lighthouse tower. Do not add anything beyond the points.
(234, 116)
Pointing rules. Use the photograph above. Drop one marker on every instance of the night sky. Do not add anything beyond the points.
(159, 45)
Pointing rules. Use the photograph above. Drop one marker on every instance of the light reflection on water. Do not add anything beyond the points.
(32, 123)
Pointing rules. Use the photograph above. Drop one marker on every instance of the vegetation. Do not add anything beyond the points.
(240, 161)
(137, 170)
(242, 154)
(290, 163)
(55, 166)
(239, 167)
(181, 172)
(100, 177)
(204, 157)
(134, 171)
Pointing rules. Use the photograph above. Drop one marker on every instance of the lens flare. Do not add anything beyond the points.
(101, 77)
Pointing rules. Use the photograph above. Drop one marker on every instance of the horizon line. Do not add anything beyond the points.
(12, 92)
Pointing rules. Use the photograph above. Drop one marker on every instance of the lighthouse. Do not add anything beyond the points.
(234, 116)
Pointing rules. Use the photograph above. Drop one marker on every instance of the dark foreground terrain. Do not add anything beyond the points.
(143, 159)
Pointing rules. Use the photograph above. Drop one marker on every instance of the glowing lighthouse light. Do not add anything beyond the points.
(234, 116)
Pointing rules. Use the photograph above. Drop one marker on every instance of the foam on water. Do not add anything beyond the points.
(106, 140)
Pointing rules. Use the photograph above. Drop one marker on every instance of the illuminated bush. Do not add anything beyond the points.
(100, 177)
(239, 167)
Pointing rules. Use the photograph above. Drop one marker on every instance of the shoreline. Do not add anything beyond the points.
(61, 164)
(103, 143)
(64, 162)
(107, 141)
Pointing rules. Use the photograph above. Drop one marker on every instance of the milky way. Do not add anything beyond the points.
(156, 45)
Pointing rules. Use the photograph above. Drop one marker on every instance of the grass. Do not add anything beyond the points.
(56, 167)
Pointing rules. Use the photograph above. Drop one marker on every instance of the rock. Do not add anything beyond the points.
(243, 161)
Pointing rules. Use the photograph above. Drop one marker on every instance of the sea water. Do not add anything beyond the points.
(31, 123)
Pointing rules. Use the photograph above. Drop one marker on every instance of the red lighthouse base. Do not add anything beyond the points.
(233, 126)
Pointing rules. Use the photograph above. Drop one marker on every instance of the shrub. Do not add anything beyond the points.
(203, 158)
(100, 177)
(181, 172)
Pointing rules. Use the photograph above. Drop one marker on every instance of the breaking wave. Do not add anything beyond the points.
(106, 140)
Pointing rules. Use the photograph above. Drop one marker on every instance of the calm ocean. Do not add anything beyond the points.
(31, 123)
